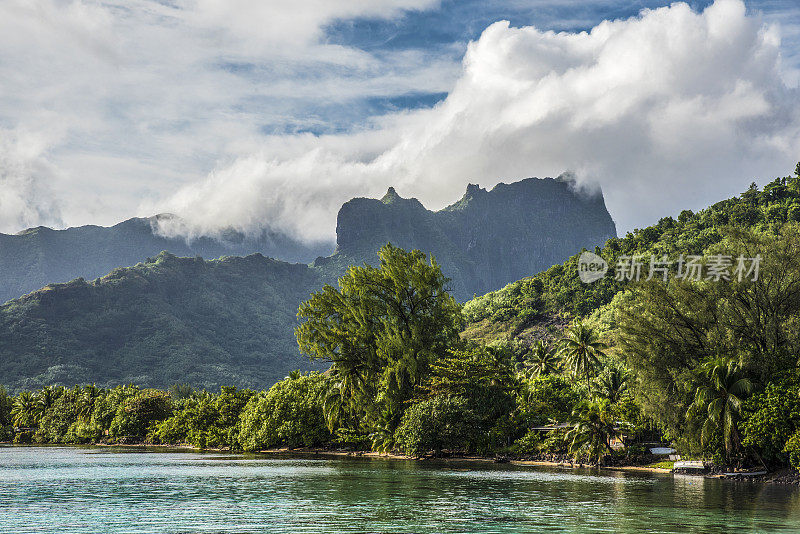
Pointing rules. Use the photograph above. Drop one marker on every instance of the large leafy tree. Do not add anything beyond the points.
(582, 349)
(381, 330)
(668, 332)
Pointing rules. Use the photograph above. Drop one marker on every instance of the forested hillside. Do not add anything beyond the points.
(531, 305)
(164, 321)
(231, 322)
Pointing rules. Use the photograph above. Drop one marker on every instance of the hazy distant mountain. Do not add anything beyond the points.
(485, 240)
(39, 256)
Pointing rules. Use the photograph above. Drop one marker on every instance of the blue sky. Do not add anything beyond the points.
(254, 114)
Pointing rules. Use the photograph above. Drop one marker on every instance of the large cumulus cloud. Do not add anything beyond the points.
(667, 110)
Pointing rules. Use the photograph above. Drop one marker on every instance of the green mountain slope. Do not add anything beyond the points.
(168, 320)
(537, 306)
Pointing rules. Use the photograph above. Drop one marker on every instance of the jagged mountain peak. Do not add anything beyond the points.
(484, 240)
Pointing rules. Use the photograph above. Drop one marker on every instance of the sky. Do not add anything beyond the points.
(259, 114)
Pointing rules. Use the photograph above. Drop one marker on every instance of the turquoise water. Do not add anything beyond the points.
(60, 489)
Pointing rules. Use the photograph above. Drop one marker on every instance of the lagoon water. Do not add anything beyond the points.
(64, 489)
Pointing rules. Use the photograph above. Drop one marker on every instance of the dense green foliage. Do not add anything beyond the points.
(402, 376)
(526, 303)
(380, 331)
(707, 359)
(700, 348)
(287, 415)
(167, 320)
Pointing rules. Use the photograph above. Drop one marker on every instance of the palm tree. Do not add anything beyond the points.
(581, 349)
(45, 399)
(383, 440)
(592, 431)
(24, 411)
(721, 400)
(612, 384)
(541, 361)
(334, 407)
(294, 375)
(87, 396)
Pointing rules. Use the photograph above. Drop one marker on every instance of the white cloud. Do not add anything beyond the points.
(150, 94)
(669, 110)
(25, 176)
(106, 103)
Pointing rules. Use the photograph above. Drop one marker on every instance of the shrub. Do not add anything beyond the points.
(792, 448)
(436, 424)
(288, 415)
(771, 417)
(137, 413)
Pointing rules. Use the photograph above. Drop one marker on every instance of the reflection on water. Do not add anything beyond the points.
(63, 489)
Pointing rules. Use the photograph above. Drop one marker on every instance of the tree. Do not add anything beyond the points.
(667, 331)
(612, 384)
(720, 402)
(381, 330)
(541, 361)
(581, 349)
(288, 415)
(24, 412)
(438, 423)
(592, 431)
(136, 413)
(45, 399)
(547, 399)
(771, 416)
(6, 405)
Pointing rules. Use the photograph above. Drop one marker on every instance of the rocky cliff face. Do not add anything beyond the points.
(485, 240)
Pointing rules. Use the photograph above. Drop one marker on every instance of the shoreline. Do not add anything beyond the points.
(782, 476)
(349, 454)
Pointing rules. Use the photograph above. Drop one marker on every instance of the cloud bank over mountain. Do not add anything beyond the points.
(246, 114)
(149, 95)
(669, 109)
(25, 174)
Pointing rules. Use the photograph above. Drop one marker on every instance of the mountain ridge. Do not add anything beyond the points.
(38, 256)
(485, 239)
